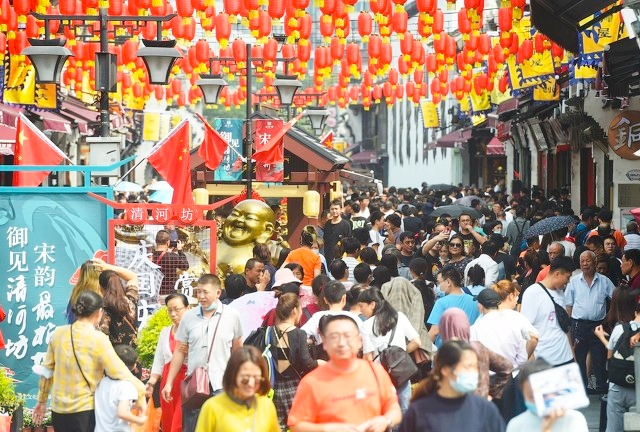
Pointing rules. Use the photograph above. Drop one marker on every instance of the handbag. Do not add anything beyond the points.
(196, 388)
(562, 317)
(397, 362)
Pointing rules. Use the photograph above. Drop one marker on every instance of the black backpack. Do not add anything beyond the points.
(517, 245)
(621, 366)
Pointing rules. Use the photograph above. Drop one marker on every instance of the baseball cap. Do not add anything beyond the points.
(489, 298)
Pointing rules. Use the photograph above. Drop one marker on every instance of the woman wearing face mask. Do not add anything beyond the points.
(558, 421)
(445, 402)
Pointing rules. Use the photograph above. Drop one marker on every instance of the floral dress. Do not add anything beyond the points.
(123, 329)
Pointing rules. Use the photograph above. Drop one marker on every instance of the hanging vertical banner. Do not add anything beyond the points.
(230, 168)
(20, 85)
(46, 237)
(264, 130)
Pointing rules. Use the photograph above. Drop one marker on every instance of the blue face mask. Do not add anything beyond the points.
(213, 306)
(465, 382)
(531, 407)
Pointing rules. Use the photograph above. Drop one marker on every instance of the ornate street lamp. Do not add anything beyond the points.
(48, 57)
(317, 116)
(286, 86)
(159, 56)
(211, 86)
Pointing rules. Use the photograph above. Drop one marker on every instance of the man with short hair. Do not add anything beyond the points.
(377, 225)
(449, 281)
(170, 261)
(207, 335)
(554, 250)
(487, 262)
(604, 228)
(351, 247)
(631, 269)
(582, 230)
(538, 307)
(357, 220)
(632, 236)
(393, 226)
(335, 229)
(586, 296)
(347, 393)
(471, 238)
(255, 276)
(407, 248)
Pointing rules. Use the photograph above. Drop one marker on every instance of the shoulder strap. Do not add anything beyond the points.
(466, 290)
(393, 333)
(214, 334)
(625, 328)
(73, 347)
(519, 228)
(306, 313)
(160, 257)
(547, 291)
(281, 336)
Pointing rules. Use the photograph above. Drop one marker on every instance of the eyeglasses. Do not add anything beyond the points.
(336, 337)
(246, 379)
(175, 310)
(455, 245)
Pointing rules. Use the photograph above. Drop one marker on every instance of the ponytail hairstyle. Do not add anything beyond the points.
(317, 287)
(308, 236)
(386, 316)
(287, 303)
(449, 356)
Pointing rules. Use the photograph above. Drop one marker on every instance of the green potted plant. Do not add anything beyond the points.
(10, 403)
(148, 338)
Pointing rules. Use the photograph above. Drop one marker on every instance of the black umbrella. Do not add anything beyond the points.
(455, 210)
(440, 187)
(550, 224)
(466, 200)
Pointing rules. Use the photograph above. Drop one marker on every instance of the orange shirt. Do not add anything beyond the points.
(543, 273)
(308, 259)
(326, 395)
(620, 240)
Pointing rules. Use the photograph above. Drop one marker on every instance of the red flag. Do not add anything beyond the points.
(33, 148)
(327, 140)
(213, 145)
(170, 157)
(271, 152)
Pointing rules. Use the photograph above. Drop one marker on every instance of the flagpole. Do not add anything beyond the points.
(249, 133)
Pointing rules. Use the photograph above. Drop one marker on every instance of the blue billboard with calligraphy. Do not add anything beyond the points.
(45, 239)
(230, 169)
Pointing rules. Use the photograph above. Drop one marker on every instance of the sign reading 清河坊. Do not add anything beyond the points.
(624, 134)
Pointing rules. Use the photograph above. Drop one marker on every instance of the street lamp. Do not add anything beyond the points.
(317, 116)
(49, 55)
(212, 85)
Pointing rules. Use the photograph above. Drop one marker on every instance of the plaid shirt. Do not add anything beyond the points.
(68, 387)
(170, 263)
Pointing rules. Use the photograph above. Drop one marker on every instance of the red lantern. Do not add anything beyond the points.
(232, 7)
(306, 24)
(223, 28)
(329, 7)
(365, 24)
(484, 43)
(464, 24)
(557, 51)
(438, 22)
(406, 43)
(526, 49)
(393, 76)
(400, 20)
(276, 9)
(376, 92)
(426, 6)
(431, 63)
(67, 7)
(337, 49)
(184, 8)
(386, 53)
(505, 19)
(353, 53)
(304, 52)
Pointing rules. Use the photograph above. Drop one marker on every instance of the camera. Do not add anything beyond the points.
(173, 244)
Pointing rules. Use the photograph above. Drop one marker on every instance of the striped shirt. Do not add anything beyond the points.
(68, 387)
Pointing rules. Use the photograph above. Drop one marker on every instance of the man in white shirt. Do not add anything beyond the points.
(485, 260)
(632, 236)
(537, 306)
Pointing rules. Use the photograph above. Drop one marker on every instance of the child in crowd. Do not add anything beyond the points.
(113, 399)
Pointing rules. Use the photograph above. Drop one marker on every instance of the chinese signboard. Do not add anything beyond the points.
(265, 129)
(46, 237)
(230, 168)
(624, 134)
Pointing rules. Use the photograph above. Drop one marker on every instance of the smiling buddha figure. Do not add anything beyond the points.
(250, 222)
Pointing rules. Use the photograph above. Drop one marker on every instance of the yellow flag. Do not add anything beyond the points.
(585, 72)
(20, 85)
(593, 40)
(429, 114)
(480, 102)
(547, 91)
(151, 128)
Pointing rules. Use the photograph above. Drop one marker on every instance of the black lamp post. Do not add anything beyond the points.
(49, 55)
(212, 85)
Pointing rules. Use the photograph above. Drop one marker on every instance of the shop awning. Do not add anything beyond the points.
(53, 122)
(622, 67)
(365, 157)
(559, 20)
(495, 147)
(455, 139)
(9, 115)
(82, 116)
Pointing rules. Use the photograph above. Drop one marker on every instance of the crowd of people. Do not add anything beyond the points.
(394, 275)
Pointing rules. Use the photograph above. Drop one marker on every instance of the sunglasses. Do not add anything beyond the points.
(455, 245)
(246, 379)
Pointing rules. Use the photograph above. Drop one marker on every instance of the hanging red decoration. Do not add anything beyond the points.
(400, 20)
(223, 28)
(184, 8)
(505, 19)
(232, 7)
(464, 24)
(365, 25)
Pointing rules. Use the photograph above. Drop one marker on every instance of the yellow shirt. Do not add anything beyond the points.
(223, 414)
(68, 387)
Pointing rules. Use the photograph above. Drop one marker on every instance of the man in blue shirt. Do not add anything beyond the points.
(450, 282)
(585, 297)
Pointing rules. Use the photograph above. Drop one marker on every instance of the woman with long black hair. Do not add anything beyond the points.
(387, 327)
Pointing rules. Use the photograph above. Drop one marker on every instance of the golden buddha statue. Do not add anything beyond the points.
(250, 222)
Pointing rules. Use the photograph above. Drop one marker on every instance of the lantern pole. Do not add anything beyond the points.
(248, 144)
(104, 92)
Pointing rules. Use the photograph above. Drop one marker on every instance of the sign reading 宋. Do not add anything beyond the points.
(624, 134)
(45, 239)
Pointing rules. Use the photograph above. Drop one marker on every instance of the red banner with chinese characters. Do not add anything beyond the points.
(264, 130)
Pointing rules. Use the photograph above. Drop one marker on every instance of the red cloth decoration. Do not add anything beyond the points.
(243, 196)
(213, 145)
(271, 152)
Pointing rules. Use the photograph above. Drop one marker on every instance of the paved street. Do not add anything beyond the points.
(592, 413)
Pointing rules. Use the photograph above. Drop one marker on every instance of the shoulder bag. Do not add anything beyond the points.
(195, 387)
(397, 362)
(562, 317)
(73, 347)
